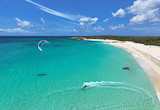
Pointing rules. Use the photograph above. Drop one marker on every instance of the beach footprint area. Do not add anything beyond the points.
(52, 79)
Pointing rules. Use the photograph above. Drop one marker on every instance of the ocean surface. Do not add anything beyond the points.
(52, 79)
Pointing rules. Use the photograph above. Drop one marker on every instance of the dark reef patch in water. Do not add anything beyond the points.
(41, 74)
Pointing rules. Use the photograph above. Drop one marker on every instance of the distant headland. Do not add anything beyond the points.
(149, 40)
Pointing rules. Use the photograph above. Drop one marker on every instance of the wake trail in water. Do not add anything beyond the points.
(110, 106)
(119, 85)
(108, 84)
(102, 84)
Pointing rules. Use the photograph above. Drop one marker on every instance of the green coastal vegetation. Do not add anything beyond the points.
(144, 40)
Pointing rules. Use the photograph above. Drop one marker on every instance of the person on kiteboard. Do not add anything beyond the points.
(84, 86)
(126, 68)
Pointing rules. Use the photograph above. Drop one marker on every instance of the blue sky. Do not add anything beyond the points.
(79, 17)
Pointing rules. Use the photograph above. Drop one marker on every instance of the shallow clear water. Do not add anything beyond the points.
(67, 65)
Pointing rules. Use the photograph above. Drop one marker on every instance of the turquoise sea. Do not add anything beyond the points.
(52, 79)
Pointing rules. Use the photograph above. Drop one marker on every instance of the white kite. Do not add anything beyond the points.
(41, 43)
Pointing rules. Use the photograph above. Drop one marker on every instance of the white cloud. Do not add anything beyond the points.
(145, 11)
(15, 30)
(43, 29)
(87, 22)
(120, 26)
(93, 21)
(98, 29)
(81, 23)
(23, 24)
(75, 30)
(150, 16)
(107, 19)
(142, 6)
(120, 13)
(84, 19)
(42, 20)
(53, 12)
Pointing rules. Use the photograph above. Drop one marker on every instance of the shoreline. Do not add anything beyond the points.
(148, 54)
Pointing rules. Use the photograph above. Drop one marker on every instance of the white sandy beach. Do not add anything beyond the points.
(147, 56)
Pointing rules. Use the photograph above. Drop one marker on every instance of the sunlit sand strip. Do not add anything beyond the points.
(148, 53)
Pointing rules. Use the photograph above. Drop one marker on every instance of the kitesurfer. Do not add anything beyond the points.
(126, 68)
(84, 86)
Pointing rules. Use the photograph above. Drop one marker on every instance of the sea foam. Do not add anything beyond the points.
(143, 64)
(120, 85)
